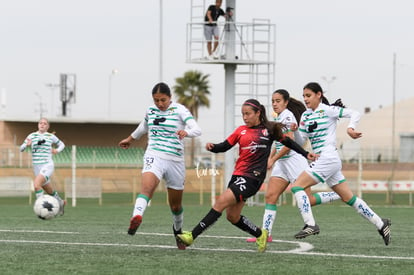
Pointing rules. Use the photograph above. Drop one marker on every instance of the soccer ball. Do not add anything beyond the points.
(46, 207)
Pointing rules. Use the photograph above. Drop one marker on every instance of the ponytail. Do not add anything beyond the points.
(315, 87)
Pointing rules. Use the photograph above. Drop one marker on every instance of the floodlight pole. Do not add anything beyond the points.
(113, 72)
(390, 194)
(229, 94)
(161, 43)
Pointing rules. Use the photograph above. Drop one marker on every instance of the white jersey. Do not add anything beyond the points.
(42, 146)
(162, 127)
(320, 126)
(287, 118)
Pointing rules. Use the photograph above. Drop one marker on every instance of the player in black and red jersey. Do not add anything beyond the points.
(255, 140)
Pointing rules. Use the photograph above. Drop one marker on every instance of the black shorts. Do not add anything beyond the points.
(244, 187)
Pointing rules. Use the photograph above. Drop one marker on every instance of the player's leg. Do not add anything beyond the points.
(177, 211)
(382, 225)
(43, 178)
(275, 187)
(188, 237)
(149, 183)
(225, 200)
(240, 195)
(324, 168)
(322, 197)
(305, 181)
(38, 181)
(152, 172)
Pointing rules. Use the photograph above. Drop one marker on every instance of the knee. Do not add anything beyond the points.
(175, 208)
(232, 218)
(39, 182)
(312, 200)
(271, 197)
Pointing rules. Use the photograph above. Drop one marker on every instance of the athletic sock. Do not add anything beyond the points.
(324, 197)
(269, 217)
(304, 205)
(178, 218)
(39, 193)
(141, 204)
(246, 225)
(211, 217)
(365, 211)
(56, 195)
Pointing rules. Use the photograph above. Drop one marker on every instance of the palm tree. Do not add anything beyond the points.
(192, 90)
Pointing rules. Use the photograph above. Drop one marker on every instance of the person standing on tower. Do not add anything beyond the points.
(211, 30)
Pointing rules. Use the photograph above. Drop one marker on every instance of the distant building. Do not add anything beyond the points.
(376, 126)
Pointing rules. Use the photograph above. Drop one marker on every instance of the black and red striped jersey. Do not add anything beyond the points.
(254, 149)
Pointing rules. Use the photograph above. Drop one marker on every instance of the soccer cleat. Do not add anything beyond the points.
(261, 241)
(307, 231)
(186, 238)
(385, 231)
(180, 245)
(253, 240)
(62, 204)
(134, 223)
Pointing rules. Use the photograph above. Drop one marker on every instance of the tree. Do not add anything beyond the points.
(192, 91)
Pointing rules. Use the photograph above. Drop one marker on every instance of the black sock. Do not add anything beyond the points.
(211, 217)
(247, 226)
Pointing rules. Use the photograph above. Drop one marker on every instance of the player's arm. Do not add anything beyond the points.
(27, 142)
(218, 147)
(270, 160)
(192, 128)
(353, 121)
(139, 132)
(60, 145)
(287, 141)
(284, 150)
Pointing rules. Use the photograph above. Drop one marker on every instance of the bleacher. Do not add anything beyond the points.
(100, 156)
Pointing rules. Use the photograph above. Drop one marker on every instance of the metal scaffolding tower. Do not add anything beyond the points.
(247, 51)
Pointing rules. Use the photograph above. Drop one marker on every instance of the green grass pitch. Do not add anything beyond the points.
(92, 239)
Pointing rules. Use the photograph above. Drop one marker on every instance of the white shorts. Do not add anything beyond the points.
(173, 172)
(46, 170)
(210, 32)
(327, 169)
(290, 168)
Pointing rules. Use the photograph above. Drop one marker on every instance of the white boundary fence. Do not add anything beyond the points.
(366, 186)
(85, 188)
(16, 187)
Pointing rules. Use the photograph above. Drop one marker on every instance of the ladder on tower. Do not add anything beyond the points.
(257, 79)
(195, 30)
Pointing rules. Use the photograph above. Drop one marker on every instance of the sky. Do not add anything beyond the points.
(352, 41)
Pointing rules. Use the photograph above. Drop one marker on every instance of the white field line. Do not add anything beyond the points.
(303, 247)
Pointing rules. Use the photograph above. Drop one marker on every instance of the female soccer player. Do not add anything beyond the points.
(255, 140)
(318, 123)
(289, 164)
(166, 124)
(42, 143)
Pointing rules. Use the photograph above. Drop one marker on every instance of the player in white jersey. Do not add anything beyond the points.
(289, 164)
(41, 143)
(166, 124)
(318, 123)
